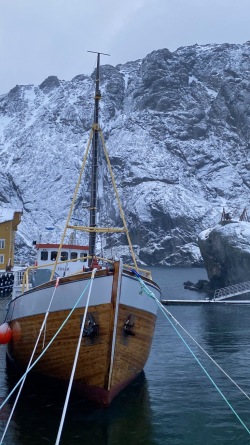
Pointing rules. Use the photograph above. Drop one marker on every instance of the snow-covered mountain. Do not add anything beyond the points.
(177, 129)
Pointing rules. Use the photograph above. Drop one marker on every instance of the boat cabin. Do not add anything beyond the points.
(75, 257)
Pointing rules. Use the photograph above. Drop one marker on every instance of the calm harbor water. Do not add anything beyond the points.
(172, 403)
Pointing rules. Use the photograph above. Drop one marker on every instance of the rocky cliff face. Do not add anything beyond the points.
(177, 129)
(226, 252)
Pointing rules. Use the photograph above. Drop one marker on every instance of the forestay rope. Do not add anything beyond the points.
(43, 327)
(45, 349)
(168, 315)
(75, 361)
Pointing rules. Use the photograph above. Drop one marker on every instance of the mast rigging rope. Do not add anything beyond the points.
(168, 314)
(45, 349)
(75, 361)
(43, 327)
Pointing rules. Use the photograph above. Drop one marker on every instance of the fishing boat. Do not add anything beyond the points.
(93, 325)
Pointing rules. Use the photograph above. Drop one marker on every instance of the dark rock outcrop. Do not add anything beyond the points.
(200, 286)
(226, 253)
(49, 84)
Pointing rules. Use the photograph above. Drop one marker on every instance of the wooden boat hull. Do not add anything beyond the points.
(122, 319)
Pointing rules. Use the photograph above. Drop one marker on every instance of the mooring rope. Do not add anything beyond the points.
(45, 349)
(43, 326)
(75, 361)
(206, 353)
(167, 314)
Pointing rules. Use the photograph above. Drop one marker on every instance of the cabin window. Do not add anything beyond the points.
(2, 243)
(53, 255)
(1, 259)
(83, 257)
(64, 256)
(73, 255)
(44, 256)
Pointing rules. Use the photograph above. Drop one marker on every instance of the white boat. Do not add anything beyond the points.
(93, 311)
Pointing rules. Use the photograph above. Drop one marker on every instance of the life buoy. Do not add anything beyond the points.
(5, 334)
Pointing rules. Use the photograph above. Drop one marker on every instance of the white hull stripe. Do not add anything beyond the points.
(36, 301)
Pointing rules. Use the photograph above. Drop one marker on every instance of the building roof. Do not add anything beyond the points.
(7, 214)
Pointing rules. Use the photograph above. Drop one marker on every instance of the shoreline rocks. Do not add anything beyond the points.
(225, 250)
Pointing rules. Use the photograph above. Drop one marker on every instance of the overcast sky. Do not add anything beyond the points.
(39, 38)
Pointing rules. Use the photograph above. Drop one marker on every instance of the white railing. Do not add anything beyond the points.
(23, 279)
(232, 291)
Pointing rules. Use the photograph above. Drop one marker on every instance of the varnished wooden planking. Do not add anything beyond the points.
(93, 362)
(131, 355)
(58, 359)
(131, 352)
(114, 297)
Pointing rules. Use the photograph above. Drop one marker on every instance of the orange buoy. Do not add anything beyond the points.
(5, 333)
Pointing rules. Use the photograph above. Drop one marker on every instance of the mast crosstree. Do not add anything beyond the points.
(92, 229)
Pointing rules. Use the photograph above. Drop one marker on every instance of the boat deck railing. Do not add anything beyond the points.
(232, 291)
(24, 281)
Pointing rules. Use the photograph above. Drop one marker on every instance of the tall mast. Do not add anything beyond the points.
(94, 175)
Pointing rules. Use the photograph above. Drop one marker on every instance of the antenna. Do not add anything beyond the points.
(97, 52)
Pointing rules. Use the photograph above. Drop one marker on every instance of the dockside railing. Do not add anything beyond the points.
(232, 291)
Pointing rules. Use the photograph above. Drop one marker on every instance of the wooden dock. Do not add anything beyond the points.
(196, 302)
(168, 302)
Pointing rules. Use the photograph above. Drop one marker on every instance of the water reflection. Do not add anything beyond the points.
(126, 421)
(184, 407)
(226, 327)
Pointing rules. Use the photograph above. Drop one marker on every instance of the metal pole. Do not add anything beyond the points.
(94, 176)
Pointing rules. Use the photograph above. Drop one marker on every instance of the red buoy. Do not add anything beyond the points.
(5, 333)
